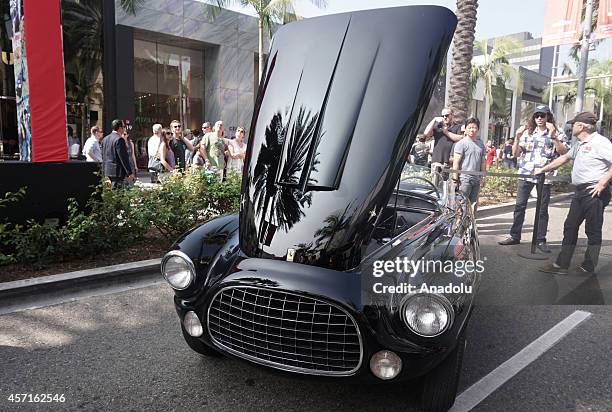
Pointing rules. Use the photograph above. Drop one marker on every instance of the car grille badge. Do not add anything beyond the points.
(290, 255)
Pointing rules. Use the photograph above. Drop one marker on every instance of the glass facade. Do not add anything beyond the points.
(8, 108)
(168, 85)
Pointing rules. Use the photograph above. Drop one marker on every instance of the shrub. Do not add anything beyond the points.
(497, 187)
(116, 219)
(183, 201)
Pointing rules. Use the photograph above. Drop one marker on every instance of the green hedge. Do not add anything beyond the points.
(119, 218)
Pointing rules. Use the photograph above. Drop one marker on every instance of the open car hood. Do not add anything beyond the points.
(337, 110)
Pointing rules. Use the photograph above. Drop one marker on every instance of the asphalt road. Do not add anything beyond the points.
(124, 351)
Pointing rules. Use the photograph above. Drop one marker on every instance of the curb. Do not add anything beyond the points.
(83, 279)
(493, 210)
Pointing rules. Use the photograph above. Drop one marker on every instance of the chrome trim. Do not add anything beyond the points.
(443, 300)
(281, 366)
(183, 256)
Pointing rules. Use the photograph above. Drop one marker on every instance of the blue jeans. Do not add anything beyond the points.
(470, 189)
(522, 196)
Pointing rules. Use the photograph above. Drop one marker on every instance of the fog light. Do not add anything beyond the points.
(192, 324)
(385, 364)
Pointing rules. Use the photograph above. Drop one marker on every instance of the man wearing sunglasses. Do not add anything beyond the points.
(445, 133)
(537, 144)
(179, 144)
(591, 175)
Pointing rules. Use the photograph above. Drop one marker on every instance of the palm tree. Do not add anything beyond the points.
(494, 69)
(463, 44)
(270, 11)
(600, 88)
(84, 89)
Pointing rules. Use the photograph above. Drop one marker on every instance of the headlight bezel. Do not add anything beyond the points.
(186, 259)
(442, 300)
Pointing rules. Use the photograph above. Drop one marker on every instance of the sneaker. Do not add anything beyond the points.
(543, 247)
(583, 269)
(509, 241)
(554, 269)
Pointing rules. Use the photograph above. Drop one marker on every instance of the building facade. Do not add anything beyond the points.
(184, 60)
(173, 59)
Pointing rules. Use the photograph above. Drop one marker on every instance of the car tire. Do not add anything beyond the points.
(199, 346)
(439, 387)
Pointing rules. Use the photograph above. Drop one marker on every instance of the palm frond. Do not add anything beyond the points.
(131, 6)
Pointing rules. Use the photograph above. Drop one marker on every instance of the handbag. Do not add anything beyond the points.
(156, 165)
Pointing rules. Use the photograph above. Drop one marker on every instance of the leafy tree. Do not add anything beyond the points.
(495, 71)
(270, 11)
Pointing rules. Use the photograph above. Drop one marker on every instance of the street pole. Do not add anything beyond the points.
(553, 74)
(584, 56)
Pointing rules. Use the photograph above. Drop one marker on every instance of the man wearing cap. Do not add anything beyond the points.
(591, 174)
(537, 144)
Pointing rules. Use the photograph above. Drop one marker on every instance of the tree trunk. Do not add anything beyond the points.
(463, 45)
(84, 134)
(261, 51)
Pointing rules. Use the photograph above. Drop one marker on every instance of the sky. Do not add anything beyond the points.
(495, 17)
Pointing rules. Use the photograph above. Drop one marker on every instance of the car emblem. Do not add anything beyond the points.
(290, 255)
(372, 214)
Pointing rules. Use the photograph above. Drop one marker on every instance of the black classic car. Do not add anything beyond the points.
(341, 263)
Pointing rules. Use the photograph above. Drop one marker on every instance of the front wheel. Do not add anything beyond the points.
(198, 346)
(439, 388)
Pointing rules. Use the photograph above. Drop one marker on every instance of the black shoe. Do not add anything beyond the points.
(509, 241)
(554, 269)
(543, 247)
(583, 269)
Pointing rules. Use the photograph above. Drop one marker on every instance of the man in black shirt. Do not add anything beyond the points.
(419, 151)
(179, 144)
(445, 133)
(509, 159)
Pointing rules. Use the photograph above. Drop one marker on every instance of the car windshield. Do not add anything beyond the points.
(421, 181)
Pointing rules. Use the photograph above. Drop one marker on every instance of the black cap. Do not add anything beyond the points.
(584, 117)
(542, 108)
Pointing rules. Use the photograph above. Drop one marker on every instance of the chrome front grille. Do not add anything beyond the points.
(285, 330)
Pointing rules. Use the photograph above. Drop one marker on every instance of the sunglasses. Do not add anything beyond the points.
(539, 115)
(168, 134)
(177, 126)
(446, 115)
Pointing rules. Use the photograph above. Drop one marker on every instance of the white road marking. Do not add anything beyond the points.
(476, 393)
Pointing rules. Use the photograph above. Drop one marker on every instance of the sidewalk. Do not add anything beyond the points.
(511, 279)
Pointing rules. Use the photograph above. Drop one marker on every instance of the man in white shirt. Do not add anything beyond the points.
(591, 176)
(91, 149)
(152, 146)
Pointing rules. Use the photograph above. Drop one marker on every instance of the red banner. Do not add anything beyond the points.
(604, 20)
(562, 22)
(43, 33)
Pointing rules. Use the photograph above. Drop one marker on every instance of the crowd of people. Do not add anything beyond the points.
(539, 147)
(169, 150)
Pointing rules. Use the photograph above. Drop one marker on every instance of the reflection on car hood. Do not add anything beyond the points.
(341, 99)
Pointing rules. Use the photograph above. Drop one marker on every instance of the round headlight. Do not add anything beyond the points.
(178, 269)
(385, 364)
(427, 315)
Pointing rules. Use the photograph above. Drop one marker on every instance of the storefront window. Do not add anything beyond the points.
(8, 108)
(168, 85)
